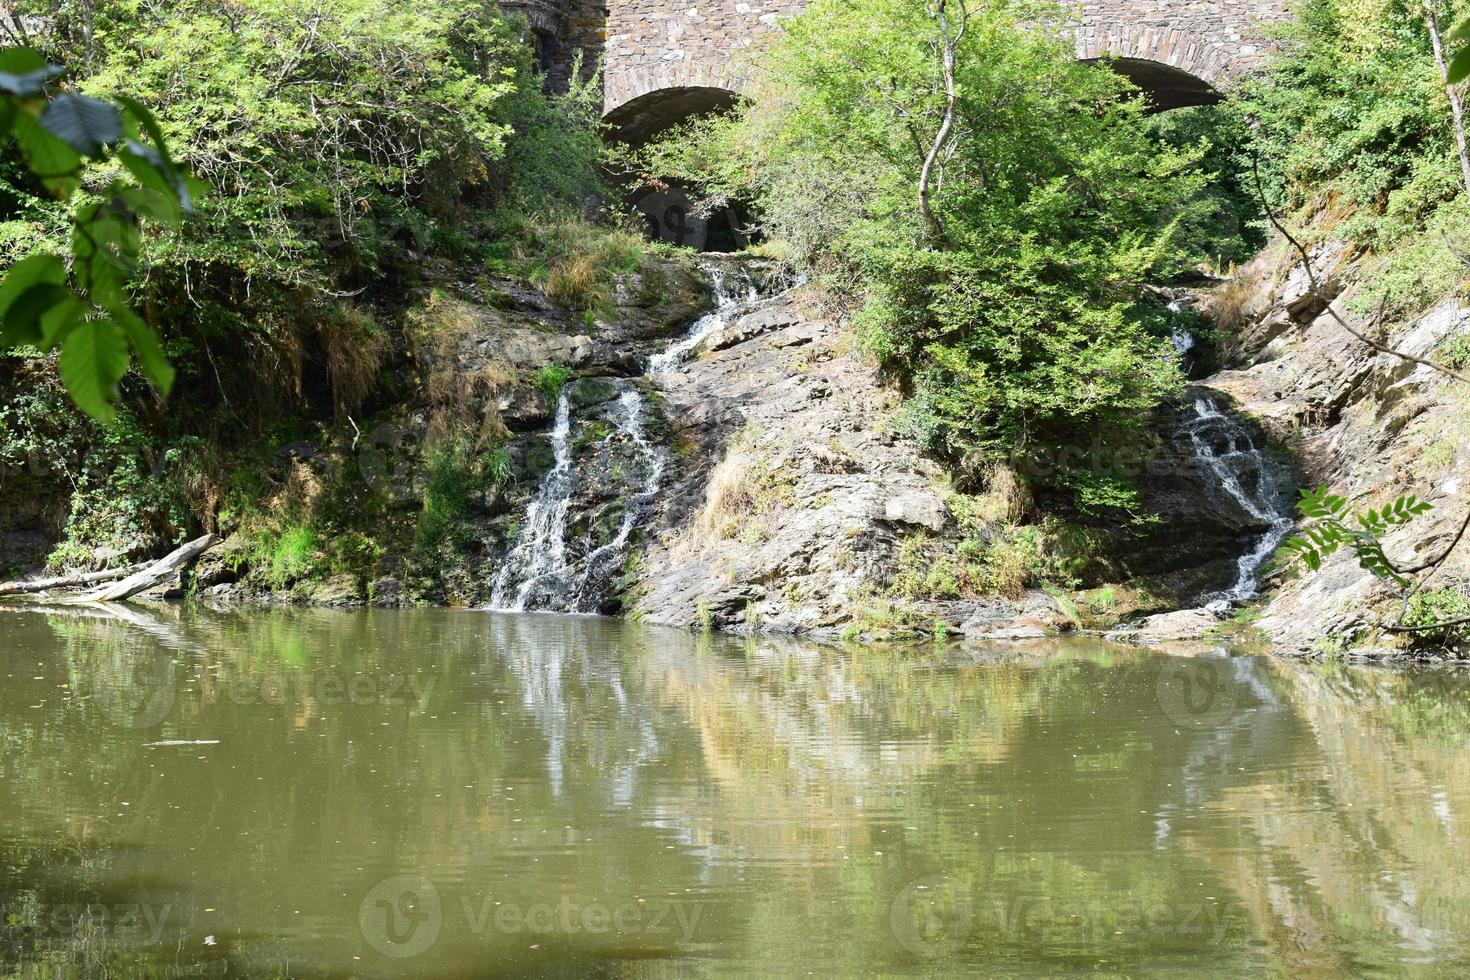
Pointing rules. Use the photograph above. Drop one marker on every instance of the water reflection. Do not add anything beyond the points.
(461, 794)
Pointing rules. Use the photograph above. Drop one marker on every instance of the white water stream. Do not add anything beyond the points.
(1249, 478)
(538, 573)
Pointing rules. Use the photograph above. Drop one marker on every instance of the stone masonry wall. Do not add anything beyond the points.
(1214, 40)
(656, 44)
(659, 44)
(646, 46)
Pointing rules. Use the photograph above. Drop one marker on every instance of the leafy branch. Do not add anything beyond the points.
(82, 307)
(1335, 527)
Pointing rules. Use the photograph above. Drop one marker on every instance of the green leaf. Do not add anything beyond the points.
(87, 125)
(159, 196)
(105, 248)
(24, 274)
(51, 159)
(157, 154)
(20, 61)
(24, 73)
(151, 359)
(93, 361)
(23, 317)
(1459, 66)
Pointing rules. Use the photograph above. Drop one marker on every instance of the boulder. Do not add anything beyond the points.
(386, 592)
(1183, 624)
(919, 509)
(752, 325)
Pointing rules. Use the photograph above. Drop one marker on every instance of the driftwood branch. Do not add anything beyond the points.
(76, 581)
(158, 573)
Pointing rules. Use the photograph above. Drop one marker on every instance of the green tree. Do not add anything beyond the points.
(79, 303)
(344, 141)
(991, 205)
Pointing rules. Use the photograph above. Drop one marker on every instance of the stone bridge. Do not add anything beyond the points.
(664, 59)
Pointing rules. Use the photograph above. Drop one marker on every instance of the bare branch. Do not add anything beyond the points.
(1315, 288)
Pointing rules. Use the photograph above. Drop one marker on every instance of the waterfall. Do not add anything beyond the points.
(1249, 478)
(538, 572)
(728, 302)
(602, 561)
(540, 553)
(1179, 336)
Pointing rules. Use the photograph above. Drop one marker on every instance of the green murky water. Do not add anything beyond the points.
(454, 794)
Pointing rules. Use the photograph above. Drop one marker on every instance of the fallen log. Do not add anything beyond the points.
(68, 581)
(156, 574)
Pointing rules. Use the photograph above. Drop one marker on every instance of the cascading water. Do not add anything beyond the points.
(600, 561)
(728, 301)
(1179, 335)
(540, 553)
(1249, 478)
(538, 573)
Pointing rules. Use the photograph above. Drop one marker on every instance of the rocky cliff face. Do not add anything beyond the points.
(1370, 426)
(793, 492)
(761, 480)
(797, 503)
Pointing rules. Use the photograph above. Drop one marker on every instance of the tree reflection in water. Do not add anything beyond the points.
(884, 810)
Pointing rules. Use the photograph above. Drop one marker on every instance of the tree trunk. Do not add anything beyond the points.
(156, 574)
(1457, 106)
(68, 581)
(950, 41)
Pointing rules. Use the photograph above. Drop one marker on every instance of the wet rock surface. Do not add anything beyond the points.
(1185, 624)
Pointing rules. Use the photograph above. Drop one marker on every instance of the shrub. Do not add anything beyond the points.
(1020, 322)
(1455, 351)
(1440, 605)
(576, 261)
(1353, 129)
(550, 379)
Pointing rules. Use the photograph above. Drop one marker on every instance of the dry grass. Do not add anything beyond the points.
(573, 281)
(728, 500)
(452, 391)
(1233, 304)
(576, 262)
(1007, 498)
(750, 483)
(355, 348)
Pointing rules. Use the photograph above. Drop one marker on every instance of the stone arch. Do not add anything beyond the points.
(1175, 66)
(671, 212)
(642, 116)
(1165, 86)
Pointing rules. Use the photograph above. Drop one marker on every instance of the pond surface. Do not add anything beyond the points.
(459, 794)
